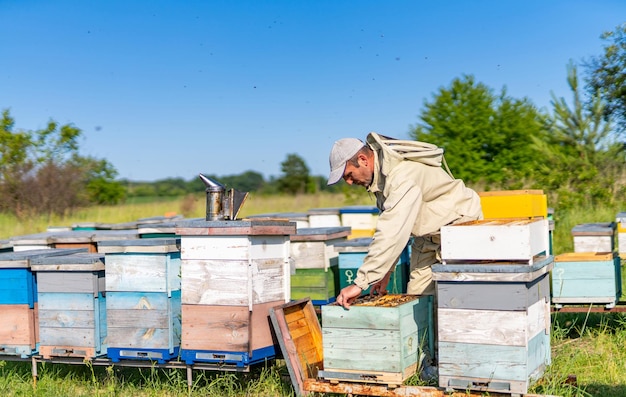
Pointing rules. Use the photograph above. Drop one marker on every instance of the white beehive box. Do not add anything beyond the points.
(495, 239)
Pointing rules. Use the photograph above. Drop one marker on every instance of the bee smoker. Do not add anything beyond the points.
(222, 204)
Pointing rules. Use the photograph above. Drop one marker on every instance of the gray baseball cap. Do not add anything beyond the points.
(342, 151)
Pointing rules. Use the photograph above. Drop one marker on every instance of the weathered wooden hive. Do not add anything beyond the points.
(493, 304)
(315, 263)
(324, 217)
(351, 254)
(587, 277)
(143, 298)
(594, 237)
(620, 220)
(379, 339)
(19, 325)
(232, 273)
(72, 305)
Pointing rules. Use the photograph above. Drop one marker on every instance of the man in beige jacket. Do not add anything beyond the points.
(415, 197)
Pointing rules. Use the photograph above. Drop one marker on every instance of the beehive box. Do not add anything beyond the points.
(19, 333)
(74, 239)
(587, 277)
(620, 220)
(300, 218)
(352, 252)
(496, 240)
(72, 305)
(28, 242)
(324, 217)
(162, 229)
(143, 298)
(388, 336)
(493, 325)
(594, 237)
(232, 273)
(362, 220)
(315, 263)
(514, 204)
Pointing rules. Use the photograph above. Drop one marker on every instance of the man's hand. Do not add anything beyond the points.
(348, 295)
(380, 287)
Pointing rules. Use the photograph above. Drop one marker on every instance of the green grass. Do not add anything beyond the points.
(588, 349)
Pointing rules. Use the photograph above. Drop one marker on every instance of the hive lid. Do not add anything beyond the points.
(594, 229)
(140, 245)
(359, 209)
(80, 261)
(320, 233)
(21, 259)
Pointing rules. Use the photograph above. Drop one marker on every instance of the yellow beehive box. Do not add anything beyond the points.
(514, 204)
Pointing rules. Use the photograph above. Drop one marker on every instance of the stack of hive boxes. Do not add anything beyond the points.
(592, 273)
(620, 219)
(19, 328)
(232, 273)
(143, 302)
(324, 217)
(72, 305)
(493, 296)
(315, 263)
(361, 219)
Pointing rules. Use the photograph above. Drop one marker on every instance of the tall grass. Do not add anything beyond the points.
(588, 354)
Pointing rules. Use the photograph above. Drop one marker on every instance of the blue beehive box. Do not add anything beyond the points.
(351, 254)
(586, 278)
(143, 298)
(72, 308)
(18, 302)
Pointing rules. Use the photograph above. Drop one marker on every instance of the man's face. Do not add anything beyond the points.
(359, 174)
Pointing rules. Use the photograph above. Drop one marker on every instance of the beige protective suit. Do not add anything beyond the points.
(415, 199)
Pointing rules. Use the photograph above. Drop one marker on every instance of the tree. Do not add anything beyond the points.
(42, 172)
(295, 175)
(607, 76)
(486, 137)
(582, 161)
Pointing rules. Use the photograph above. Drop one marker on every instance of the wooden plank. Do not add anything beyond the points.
(511, 328)
(48, 352)
(143, 272)
(221, 282)
(310, 385)
(473, 360)
(17, 326)
(234, 247)
(70, 282)
(218, 328)
(143, 320)
(584, 257)
(328, 234)
(90, 246)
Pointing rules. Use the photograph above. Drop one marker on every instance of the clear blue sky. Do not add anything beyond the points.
(174, 88)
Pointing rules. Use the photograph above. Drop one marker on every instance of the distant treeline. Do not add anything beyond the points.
(249, 181)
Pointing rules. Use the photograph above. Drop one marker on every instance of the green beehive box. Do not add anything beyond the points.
(321, 286)
(379, 340)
